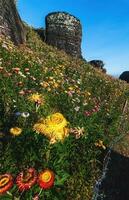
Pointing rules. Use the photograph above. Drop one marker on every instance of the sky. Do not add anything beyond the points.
(105, 26)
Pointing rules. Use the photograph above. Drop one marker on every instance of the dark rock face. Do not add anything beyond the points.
(64, 31)
(41, 33)
(10, 22)
(98, 64)
(125, 76)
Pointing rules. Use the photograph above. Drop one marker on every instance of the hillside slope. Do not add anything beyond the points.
(56, 113)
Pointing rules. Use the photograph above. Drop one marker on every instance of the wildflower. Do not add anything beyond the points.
(46, 179)
(22, 92)
(20, 83)
(77, 108)
(56, 85)
(8, 74)
(21, 74)
(77, 131)
(100, 144)
(48, 89)
(89, 94)
(5, 46)
(54, 126)
(15, 131)
(33, 78)
(70, 93)
(25, 114)
(16, 70)
(26, 69)
(6, 182)
(25, 180)
(44, 84)
(87, 113)
(52, 140)
(36, 98)
(1, 69)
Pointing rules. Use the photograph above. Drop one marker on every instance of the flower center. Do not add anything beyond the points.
(46, 176)
(4, 181)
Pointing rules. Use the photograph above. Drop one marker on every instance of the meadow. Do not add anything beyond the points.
(58, 116)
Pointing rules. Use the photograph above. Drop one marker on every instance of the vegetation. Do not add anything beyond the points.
(56, 113)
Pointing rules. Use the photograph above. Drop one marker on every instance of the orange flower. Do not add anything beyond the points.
(46, 179)
(6, 182)
(25, 180)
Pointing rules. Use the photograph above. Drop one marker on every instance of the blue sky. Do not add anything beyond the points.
(105, 26)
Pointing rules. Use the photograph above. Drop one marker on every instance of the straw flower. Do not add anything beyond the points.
(36, 98)
(6, 182)
(53, 127)
(25, 180)
(15, 131)
(100, 144)
(46, 179)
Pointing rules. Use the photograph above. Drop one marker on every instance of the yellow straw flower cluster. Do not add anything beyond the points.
(53, 127)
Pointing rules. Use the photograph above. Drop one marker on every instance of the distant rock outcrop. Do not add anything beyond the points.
(125, 76)
(10, 22)
(98, 64)
(64, 31)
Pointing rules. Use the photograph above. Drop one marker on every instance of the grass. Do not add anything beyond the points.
(89, 100)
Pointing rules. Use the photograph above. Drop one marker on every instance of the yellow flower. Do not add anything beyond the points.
(44, 84)
(53, 127)
(36, 98)
(100, 144)
(56, 85)
(71, 88)
(15, 131)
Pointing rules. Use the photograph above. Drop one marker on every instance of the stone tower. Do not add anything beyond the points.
(10, 22)
(65, 32)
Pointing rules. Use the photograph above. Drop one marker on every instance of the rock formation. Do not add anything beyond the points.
(41, 33)
(10, 22)
(98, 64)
(125, 76)
(64, 31)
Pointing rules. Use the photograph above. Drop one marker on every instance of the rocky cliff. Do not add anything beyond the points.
(10, 22)
(65, 32)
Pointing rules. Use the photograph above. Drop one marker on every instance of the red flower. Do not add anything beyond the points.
(46, 179)
(25, 180)
(6, 182)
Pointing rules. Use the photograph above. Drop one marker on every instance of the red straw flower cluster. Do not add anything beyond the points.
(26, 179)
